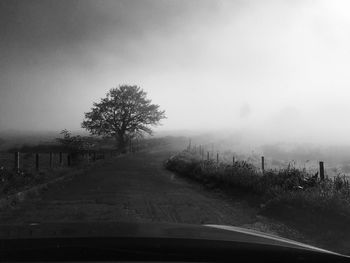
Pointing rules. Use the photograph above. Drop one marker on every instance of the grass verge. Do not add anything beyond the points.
(320, 208)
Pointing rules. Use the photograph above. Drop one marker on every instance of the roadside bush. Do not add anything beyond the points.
(241, 174)
(283, 189)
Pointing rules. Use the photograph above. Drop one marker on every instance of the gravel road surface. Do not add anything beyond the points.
(137, 188)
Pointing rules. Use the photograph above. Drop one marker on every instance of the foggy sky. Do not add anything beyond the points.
(276, 68)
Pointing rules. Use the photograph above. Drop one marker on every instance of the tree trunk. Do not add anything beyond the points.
(121, 143)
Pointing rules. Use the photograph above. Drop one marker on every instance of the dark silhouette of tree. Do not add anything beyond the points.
(124, 113)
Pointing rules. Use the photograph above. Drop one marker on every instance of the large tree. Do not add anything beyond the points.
(124, 113)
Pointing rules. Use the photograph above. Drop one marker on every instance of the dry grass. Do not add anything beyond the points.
(289, 187)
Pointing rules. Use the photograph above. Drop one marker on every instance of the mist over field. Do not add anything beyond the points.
(180, 112)
(241, 74)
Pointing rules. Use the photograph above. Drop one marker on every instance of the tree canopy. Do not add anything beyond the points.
(124, 113)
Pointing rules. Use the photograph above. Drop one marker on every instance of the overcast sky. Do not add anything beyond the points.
(277, 67)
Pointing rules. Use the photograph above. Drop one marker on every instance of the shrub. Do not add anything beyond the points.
(281, 189)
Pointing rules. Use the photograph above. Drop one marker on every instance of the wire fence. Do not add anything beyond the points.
(33, 161)
(263, 163)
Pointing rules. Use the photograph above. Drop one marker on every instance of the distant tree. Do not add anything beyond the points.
(124, 113)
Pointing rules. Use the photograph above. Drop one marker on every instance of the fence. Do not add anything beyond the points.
(19, 170)
(39, 159)
(318, 168)
(30, 161)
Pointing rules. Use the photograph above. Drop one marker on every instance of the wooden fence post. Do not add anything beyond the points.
(262, 164)
(233, 164)
(321, 171)
(68, 159)
(60, 159)
(37, 161)
(51, 159)
(16, 166)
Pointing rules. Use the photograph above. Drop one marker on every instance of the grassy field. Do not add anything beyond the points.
(27, 160)
(12, 180)
(336, 158)
(291, 194)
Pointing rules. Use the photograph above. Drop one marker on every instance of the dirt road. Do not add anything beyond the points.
(138, 188)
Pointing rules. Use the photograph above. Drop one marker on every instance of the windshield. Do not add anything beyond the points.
(188, 112)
